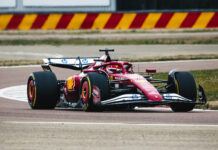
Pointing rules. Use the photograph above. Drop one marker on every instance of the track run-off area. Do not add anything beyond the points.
(153, 128)
(145, 128)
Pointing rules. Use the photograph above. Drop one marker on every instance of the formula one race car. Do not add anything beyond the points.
(110, 84)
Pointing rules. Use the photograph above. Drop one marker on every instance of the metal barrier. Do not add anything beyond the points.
(70, 21)
(56, 6)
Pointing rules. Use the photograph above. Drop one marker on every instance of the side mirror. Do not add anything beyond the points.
(151, 71)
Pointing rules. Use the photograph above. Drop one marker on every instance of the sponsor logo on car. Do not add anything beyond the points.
(84, 61)
(168, 96)
(118, 78)
(135, 97)
(64, 61)
(153, 93)
(141, 81)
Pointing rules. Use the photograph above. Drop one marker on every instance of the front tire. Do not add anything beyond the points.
(94, 88)
(42, 90)
(186, 87)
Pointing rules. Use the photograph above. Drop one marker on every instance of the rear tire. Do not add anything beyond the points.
(94, 88)
(186, 87)
(42, 90)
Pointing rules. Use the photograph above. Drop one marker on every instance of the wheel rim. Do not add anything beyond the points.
(96, 94)
(85, 92)
(31, 90)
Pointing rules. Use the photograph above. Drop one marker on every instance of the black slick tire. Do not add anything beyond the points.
(91, 84)
(186, 87)
(42, 90)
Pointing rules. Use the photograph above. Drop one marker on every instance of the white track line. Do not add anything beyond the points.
(17, 93)
(110, 123)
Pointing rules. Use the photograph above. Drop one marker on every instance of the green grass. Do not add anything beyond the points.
(207, 78)
(20, 62)
(144, 59)
(78, 41)
(168, 58)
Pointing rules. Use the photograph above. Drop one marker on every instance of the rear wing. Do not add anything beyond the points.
(75, 63)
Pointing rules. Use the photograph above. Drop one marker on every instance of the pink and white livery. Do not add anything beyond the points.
(110, 84)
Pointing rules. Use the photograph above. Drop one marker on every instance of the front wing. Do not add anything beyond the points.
(168, 99)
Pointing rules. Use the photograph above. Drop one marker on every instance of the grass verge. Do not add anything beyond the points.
(168, 58)
(208, 79)
(78, 41)
(145, 59)
(19, 62)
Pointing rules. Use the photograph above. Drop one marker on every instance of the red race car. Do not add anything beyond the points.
(110, 84)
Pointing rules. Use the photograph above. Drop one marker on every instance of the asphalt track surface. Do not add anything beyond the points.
(27, 52)
(24, 128)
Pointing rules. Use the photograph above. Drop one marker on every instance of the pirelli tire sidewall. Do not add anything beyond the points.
(90, 80)
(42, 90)
(186, 87)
